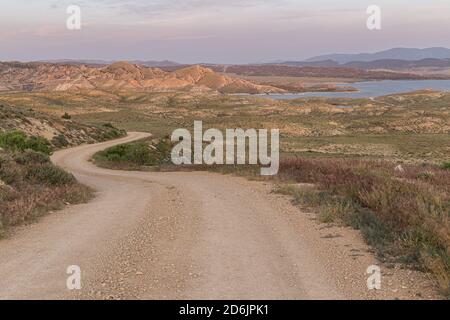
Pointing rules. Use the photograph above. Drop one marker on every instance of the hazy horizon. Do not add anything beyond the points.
(201, 31)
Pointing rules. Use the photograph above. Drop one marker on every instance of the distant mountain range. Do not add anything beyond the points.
(395, 64)
(150, 75)
(320, 63)
(395, 53)
(388, 64)
(396, 58)
(98, 63)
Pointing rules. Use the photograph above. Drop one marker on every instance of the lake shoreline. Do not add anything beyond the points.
(364, 89)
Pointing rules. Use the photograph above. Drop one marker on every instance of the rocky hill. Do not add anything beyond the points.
(59, 132)
(120, 76)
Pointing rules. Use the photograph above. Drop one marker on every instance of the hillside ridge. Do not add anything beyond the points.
(121, 75)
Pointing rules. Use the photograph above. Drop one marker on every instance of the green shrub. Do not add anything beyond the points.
(446, 166)
(14, 140)
(31, 157)
(66, 116)
(7, 194)
(39, 144)
(135, 154)
(109, 125)
(111, 134)
(9, 171)
(49, 174)
(30, 185)
(60, 141)
(18, 141)
(139, 154)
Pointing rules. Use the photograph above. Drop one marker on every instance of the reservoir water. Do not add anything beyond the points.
(373, 89)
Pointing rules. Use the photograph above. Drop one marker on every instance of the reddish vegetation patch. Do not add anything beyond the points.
(30, 186)
(403, 212)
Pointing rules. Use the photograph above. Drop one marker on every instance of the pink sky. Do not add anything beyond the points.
(216, 31)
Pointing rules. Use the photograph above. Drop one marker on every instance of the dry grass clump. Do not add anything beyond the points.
(404, 212)
(30, 186)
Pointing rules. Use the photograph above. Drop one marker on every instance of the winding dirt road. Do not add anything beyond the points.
(187, 235)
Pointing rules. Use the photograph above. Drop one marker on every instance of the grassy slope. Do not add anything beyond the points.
(30, 185)
(60, 132)
(403, 214)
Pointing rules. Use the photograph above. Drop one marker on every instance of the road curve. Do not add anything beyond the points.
(182, 235)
